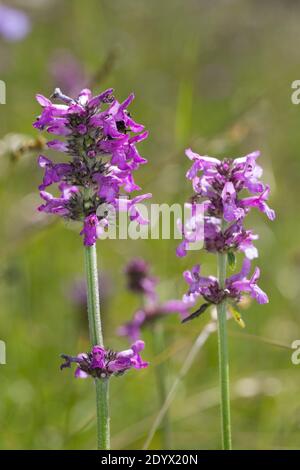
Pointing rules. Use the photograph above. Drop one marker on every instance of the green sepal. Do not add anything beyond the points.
(231, 260)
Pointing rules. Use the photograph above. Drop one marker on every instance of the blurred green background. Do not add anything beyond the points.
(213, 75)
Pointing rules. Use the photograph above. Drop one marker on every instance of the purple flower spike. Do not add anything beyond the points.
(139, 279)
(103, 363)
(99, 138)
(218, 184)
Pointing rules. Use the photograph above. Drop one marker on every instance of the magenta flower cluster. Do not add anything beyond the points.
(103, 363)
(235, 285)
(140, 281)
(99, 137)
(220, 186)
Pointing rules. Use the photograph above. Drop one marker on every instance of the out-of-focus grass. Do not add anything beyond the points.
(213, 75)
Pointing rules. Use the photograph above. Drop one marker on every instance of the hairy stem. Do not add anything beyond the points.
(96, 336)
(223, 358)
(103, 420)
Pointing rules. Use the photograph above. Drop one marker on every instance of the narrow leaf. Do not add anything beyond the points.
(231, 260)
(197, 313)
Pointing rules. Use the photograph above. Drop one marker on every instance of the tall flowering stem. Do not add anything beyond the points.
(98, 137)
(220, 187)
(96, 336)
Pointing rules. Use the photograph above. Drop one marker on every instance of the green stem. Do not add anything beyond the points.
(96, 336)
(103, 420)
(159, 346)
(223, 358)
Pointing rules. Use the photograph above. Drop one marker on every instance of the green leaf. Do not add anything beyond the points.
(231, 260)
(197, 313)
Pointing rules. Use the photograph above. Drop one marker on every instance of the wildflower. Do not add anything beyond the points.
(99, 137)
(14, 24)
(235, 286)
(140, 281)
(103, 363)
(219, 186)
(151, 313)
